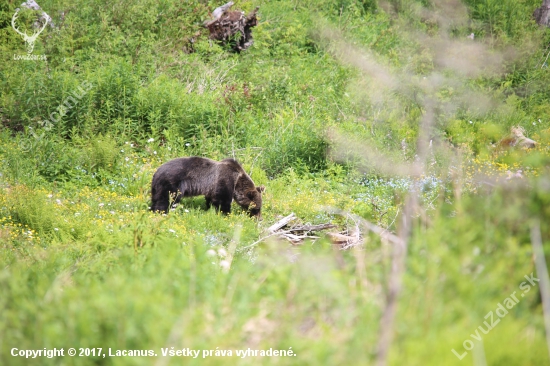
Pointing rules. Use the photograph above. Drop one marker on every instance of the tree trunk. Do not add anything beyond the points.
(542, 14)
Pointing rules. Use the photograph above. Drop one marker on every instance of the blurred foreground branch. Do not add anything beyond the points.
(542, 14)
(542, 273)
(399, 253)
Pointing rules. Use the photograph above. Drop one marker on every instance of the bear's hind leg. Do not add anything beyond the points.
(160, 205)
(160, 200)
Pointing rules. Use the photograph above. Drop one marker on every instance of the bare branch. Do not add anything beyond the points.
(264, 238)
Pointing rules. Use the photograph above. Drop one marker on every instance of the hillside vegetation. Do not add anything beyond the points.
(365, 114)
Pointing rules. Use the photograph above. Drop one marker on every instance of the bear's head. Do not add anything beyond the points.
(252, 201)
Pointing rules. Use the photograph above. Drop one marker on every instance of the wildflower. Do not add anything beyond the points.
(225, 264)
(151, 140)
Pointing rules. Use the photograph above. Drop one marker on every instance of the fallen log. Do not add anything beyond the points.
(281, 223)
(313, 227)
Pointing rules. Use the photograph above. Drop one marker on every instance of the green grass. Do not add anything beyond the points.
(323, 110)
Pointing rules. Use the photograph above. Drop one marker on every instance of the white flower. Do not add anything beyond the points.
(172, 230)
(211, 253)
(151, 140)
(222, 253)
(225, 264)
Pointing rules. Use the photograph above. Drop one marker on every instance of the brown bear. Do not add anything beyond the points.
(219, 181)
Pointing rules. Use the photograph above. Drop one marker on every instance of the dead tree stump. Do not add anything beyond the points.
(233, 28)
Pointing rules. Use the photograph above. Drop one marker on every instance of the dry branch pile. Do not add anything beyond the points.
(232, 27)
(297, 234)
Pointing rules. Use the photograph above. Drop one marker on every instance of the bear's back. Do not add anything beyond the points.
(233, 164)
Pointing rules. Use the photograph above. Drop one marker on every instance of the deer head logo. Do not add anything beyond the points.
(29, 39)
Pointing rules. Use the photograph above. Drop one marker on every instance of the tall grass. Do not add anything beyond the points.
(84, 264)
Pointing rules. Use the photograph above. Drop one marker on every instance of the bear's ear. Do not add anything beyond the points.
(260, 189)
(251, 195)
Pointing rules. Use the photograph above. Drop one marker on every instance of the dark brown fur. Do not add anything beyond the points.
(219, 182)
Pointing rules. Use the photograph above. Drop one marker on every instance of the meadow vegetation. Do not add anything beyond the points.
(342, 109)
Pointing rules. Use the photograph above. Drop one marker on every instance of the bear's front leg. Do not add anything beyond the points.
(223, 195)
(225, 207)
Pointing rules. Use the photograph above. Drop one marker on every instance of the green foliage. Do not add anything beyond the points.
(130, 85)
(503, 18)
(102, 153)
